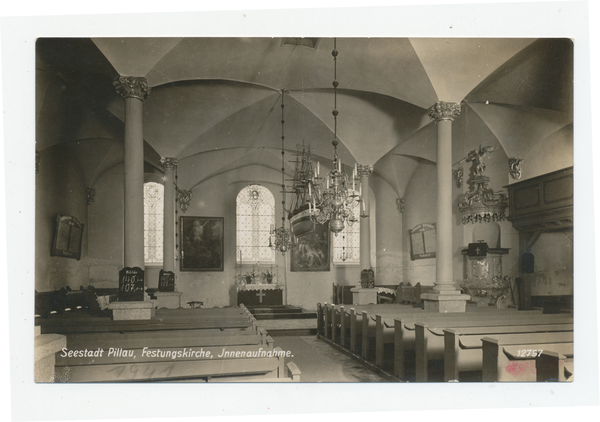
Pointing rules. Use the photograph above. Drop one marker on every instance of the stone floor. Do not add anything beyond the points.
(319, 362)
(288, 324)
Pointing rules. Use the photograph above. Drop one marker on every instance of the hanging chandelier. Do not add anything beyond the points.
(334, 198)
(280, 238)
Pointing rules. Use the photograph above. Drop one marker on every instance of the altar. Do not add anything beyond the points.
(260, 294)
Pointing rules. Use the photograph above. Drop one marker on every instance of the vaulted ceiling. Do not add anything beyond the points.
(215, 102)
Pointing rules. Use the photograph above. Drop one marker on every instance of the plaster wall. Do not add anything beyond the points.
(60, 190)
(420, 199)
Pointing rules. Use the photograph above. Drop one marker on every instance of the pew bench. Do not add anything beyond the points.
(382, 327)
(506, 358)
(553, 367)
(405, 329)
(445, 344)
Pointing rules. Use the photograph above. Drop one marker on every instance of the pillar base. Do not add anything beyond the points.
(169, 300)
(46, 346)
(132, 310)
(449, 302)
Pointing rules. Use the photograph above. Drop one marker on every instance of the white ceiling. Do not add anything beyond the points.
(216, 101)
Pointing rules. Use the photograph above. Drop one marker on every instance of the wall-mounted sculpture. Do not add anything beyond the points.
(515, 166)
(400, 205)
(90, 193)
(481, 203)
(458, 176)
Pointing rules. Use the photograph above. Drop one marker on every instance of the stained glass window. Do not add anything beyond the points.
(153, 222)
(255, 210)
(346, 245)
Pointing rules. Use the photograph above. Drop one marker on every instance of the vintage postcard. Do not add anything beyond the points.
(379, 209)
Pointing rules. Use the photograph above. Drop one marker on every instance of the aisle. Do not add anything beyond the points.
(320, 362)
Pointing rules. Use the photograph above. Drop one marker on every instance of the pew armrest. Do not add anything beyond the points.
(293, 371)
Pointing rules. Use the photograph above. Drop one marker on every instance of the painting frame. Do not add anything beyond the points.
(201, 242)
(312, 251)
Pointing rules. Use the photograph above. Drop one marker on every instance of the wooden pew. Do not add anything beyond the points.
(405, 329)
(382, 326)
(198, 364)
(209, 351)
(165, 319)
(185, 337)
(503, 359)
(352, 318)
(438, 343)
(553, 367)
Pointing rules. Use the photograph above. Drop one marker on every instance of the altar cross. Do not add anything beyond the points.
(478, 250)
(260, 295)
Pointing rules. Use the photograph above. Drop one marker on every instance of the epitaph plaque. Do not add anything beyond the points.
(131, 284)
(166, 281)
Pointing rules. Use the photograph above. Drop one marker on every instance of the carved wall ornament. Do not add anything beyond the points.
(400, 205)
(168, 163)
(184, 197)
(458, 176)
(132, 87)
(444, 111)
(364, 170)
(90, 193)
(480, 203)
(515, 167)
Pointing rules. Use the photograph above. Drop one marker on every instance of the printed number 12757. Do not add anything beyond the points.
(529, 352)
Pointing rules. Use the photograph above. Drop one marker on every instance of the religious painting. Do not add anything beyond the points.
(201, 243)
(311, 251)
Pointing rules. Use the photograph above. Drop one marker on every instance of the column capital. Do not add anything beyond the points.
(443, 111)
(168, 163)
(364, 170)
(132, 87)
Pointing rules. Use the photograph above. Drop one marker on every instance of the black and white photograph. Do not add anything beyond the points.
(306, 210)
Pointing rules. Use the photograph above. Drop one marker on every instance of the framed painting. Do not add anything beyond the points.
(311, 252)
(201, 240)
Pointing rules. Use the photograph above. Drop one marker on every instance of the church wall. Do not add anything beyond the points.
(420, 207)
(551, 154)
(105, 232)
(553, 267)
(216, 198)
(554, 262)
(390, 231)
(60, 189)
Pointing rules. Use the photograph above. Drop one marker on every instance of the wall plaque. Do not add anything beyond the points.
(422, 241)
(67, 237)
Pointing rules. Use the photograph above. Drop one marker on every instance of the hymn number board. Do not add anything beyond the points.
(166, 281)
(131, 284)
(422, 241)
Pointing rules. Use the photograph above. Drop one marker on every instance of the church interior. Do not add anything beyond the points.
(360, 201)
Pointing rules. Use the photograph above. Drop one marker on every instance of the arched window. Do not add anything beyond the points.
(346, 245)
(154, 205)
(255, 212)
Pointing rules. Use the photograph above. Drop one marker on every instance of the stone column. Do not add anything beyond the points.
(364, 171)
(134, 91)
(169, 165)
(446, 298)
